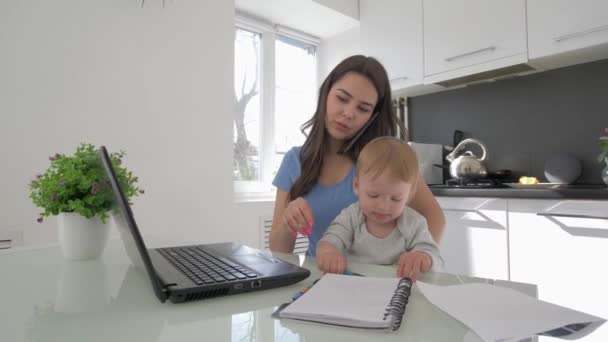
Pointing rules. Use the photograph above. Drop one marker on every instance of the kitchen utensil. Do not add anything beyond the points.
(467, 165)
(533, 186)
(502, 175)
(458, 136)
(563, 168)
(456, 139)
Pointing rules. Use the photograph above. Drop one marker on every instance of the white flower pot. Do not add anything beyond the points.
(82, 238)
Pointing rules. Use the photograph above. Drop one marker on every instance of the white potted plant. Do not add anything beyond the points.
(75, 189)
(603, 142)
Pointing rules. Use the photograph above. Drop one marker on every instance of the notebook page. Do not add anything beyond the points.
(351, 298)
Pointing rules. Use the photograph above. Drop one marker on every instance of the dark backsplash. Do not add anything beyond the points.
(525, 120)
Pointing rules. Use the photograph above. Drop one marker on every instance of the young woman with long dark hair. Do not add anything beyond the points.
(315, 181)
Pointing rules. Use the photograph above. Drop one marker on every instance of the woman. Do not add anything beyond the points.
(315, 182)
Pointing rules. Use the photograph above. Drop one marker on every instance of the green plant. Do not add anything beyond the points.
(603, 142)
(78, 184)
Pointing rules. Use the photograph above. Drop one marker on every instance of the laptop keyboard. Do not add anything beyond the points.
(204, 267)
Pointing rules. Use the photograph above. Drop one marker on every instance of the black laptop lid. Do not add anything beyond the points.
(125, 222)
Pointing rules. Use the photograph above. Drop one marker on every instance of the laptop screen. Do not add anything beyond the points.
(127, 227)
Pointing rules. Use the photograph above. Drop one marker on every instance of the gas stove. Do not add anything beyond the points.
(480, 183)
(492, 183)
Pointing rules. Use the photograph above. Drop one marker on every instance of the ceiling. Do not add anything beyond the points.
(308, 16)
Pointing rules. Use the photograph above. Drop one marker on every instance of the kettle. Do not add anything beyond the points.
(467, 165)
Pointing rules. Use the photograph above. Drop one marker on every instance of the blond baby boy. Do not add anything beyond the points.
(380, 228)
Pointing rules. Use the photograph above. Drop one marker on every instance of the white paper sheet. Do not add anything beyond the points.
(346, 300)
(501, 314)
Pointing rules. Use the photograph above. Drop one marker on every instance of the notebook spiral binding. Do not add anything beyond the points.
(398, 303)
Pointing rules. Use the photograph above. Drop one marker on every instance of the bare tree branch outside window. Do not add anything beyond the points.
(245, 152)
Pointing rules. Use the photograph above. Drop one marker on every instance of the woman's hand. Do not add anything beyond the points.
(298, 217)
(330, 259)
(425, 203)
(411, 264)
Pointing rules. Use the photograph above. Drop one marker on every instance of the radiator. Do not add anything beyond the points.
(266, 224)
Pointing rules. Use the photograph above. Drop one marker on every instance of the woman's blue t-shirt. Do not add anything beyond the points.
(326, 201)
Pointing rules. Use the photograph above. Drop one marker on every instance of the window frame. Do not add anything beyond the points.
(263, 189)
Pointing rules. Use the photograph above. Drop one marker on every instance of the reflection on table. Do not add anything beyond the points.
(50, 299)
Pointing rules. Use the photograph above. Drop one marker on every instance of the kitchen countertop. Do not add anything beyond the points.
(567, 192)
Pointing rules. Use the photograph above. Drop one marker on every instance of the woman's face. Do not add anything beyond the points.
(350, 103)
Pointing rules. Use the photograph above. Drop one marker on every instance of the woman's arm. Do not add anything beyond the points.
(280, 238)
(425, 203)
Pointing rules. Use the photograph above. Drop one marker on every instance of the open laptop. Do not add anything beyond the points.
(188, 273)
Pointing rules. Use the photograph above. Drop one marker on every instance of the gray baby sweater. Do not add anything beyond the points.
(348, 232)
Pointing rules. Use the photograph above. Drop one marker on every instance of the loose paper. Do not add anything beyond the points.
(501, 314)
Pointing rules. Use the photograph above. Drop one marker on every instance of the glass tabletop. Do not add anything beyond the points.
(47, 298)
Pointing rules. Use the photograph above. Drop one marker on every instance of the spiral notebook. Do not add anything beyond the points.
(359, 302)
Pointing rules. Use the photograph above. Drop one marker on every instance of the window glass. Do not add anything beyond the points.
(295, 93)
(247, 120)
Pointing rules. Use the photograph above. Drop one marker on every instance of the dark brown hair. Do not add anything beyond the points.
(384, 123)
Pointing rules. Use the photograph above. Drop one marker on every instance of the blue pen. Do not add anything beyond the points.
(297, 295)
(300, 293)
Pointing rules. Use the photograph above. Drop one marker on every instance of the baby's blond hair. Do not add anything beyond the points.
(388, 153)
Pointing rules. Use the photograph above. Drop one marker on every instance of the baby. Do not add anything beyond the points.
(380, 228)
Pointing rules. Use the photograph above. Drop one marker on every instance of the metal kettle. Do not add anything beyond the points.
(467, 165)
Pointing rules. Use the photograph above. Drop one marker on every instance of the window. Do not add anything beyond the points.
(247, 108)
(275, 88)
(295, 93)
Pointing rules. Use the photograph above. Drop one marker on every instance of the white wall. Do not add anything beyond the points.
(154, 81)
(333, 50)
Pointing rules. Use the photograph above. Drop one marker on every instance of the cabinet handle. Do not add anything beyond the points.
(403, 78)
(579, 34)
(492, 224)
(5, 244)
(574, 216)
(578, 231)
(489, 48)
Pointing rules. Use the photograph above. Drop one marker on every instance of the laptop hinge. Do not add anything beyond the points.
(165, 291)
(165, 288)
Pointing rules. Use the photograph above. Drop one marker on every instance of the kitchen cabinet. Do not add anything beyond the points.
(471, 36)
(558, 26)
(562, 246)
(10, 238)
(474, 242)
(392, 33)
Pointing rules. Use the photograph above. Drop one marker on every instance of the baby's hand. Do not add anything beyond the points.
(329, 258)
(411, 264)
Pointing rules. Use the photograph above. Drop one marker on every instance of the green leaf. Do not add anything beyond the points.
(67, 184)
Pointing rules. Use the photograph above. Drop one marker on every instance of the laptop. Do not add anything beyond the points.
(186, 273)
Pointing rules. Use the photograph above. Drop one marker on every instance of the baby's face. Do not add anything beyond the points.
(383, 198)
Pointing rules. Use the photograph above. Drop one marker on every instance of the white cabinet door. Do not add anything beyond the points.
(564, 252)
(10, 238)
(557, 26)
(391, 31)
(488, 34)
(475, 239)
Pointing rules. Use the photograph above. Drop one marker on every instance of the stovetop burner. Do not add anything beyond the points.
(474, 183)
